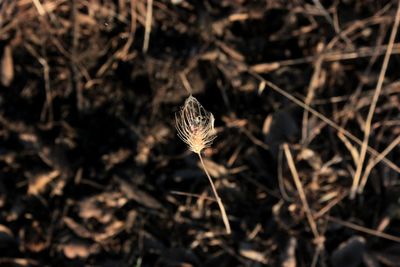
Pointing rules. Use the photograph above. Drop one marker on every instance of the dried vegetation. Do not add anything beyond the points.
(305, 96)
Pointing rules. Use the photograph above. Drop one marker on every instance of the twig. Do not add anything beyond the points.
(328, 57)
(299, 187)
(149, 18)
(76, 84)
(49, 97)
(373, 162)
(353, 151)
(281, 182)
(371, 111)
(318, 5)
(364, 229)
(125, 50)
(318, 238)
(39, 7)
(325, 13)
(220, 204)
(311, 93)
(46, 77)
(185, 82)
(351, 105)
(179, 193)
(324, 118)
(330, 205)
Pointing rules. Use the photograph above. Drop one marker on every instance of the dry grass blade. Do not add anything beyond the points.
(328, 57)
(318, 238)
(371, 111)
(191, 195)
(219, 201)
(364, 229)
(195, 127)
(371, 164)
(313, 86)
(149, 18)
(7, 67)
(322, 117)
(39, 7)
(299, 187)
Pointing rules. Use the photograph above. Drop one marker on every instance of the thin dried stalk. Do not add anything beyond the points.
(364, 229)
(149, 18)
(299, 186)
(325, 119)
(219, 201)
(195, 127)
(378, 89)
(376, 160)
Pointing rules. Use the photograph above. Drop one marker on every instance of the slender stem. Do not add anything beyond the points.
(147, 30)
(220, 204)
(363, 151)
(300, 189)
(325, 119)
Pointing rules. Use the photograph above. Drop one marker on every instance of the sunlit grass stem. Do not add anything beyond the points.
(195, 127)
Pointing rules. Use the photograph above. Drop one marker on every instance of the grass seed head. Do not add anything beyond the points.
(195, 125)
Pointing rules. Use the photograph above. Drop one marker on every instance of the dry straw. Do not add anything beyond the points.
(195, 127)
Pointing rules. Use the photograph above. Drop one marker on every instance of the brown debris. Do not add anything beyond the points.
(93, 174)
(7, 67)
(38, 183)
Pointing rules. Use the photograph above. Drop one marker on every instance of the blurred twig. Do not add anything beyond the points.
(373, 162)
(364, 229)
(39, 7)
(323, 118)
(367, 131)
(318, 238)
(328, 57)
(149, 18)
(300, 189)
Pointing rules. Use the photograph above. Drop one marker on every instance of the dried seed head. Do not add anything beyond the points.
(195, 125)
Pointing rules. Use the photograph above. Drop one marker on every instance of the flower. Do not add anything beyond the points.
(195, 125)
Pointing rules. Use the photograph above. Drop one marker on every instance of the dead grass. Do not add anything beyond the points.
(305, 101)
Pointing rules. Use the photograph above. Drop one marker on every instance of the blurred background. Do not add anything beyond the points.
(92, 172)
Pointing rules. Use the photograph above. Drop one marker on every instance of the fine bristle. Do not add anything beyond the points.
(195, 125)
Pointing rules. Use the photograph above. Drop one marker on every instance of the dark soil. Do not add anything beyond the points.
(92, 172)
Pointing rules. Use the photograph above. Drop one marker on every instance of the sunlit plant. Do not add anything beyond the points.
(195, 127)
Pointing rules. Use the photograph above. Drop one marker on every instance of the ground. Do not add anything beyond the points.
(305, 96)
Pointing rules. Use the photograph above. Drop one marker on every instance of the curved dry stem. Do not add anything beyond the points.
(378, 89)
(195, 127)
(219, 201)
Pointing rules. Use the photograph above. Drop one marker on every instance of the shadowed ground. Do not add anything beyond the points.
(92, 172)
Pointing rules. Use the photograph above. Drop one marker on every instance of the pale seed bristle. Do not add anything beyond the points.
(195, 125)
